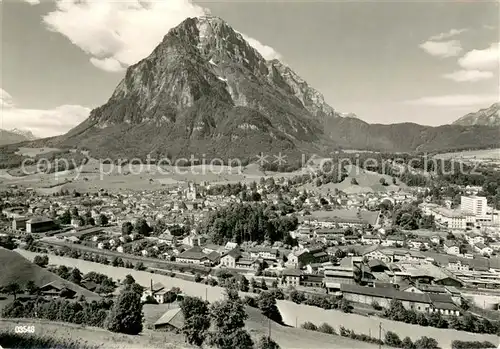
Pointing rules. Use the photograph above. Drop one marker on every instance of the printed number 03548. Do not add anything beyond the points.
(24, 329)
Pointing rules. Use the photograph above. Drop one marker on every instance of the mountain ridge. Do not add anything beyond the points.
(15, 136)
(205, 90)
(486, 117)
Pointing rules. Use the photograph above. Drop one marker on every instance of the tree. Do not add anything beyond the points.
(275, 283)
(394, 181)
(326, 328)
(197, 277)
(102, 220)
(129, 280)
(267, 304)
(345, 306)
(228, 317)
(340, 254)
(126, 314)
(263, 284)
(41, 261)
(75, 276)
(196, 320)
(407, 343)
(426, 343)
(31, 287)
(354, 181)
(65, 218)
(253, 284)
(141, 227)
(127, 228)
(74, 212)
(392, 339)
(243, 282)
(13, 288)
(266, 342)
(7, 242)
(139, 266)
(383, 181)
(296, 296)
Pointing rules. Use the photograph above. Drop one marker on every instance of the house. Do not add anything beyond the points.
(450, 247)
(370, 240)
(157, 291)
(55, 289)
(264, 252)
(419, 243)
(474, 238)
(483, 249)
(436, 239)
(172, 320)
(230, 258)
(291, 277)
(310, 280)
(378, 254)
(194, 255)
(393, 240)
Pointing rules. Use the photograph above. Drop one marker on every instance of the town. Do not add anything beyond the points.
(370, 249)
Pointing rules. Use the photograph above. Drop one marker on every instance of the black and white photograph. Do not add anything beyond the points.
(249, 174)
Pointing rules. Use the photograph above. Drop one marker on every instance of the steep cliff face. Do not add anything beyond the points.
(485, 117)
(205, 90)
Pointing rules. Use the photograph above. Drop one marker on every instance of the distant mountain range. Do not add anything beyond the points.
(485, 117)
(15, 136)
(205, 90)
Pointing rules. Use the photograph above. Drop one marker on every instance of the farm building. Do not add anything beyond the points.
(172, 320)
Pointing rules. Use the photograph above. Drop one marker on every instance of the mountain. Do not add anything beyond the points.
(485, 117)
(15, 136)
(204, 90)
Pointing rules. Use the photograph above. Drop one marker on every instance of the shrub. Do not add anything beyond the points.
(471, 345)
(309, 326)
(392, 339)
(407, 343)
(376, 306)
(326, 328)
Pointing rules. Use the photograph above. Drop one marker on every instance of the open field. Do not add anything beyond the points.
(493, 154)
(292, 313)
(368, 182)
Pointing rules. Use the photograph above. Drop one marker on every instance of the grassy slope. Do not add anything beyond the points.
(92, 336)
(15, 268)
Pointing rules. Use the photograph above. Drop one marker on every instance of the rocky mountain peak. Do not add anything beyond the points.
(484, 117)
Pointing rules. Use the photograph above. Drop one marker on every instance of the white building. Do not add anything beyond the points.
(474, 204)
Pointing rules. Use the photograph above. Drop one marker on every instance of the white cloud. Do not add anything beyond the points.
(487, 59)
(5, 99)
(455, 100)
(469, 75)
(120, 33)
(32, 2)
(43, 123)
(108, 64)
(266, 51)
(447, 35)
(442, 49)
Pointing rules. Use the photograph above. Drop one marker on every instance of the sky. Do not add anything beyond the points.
(428, 62)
